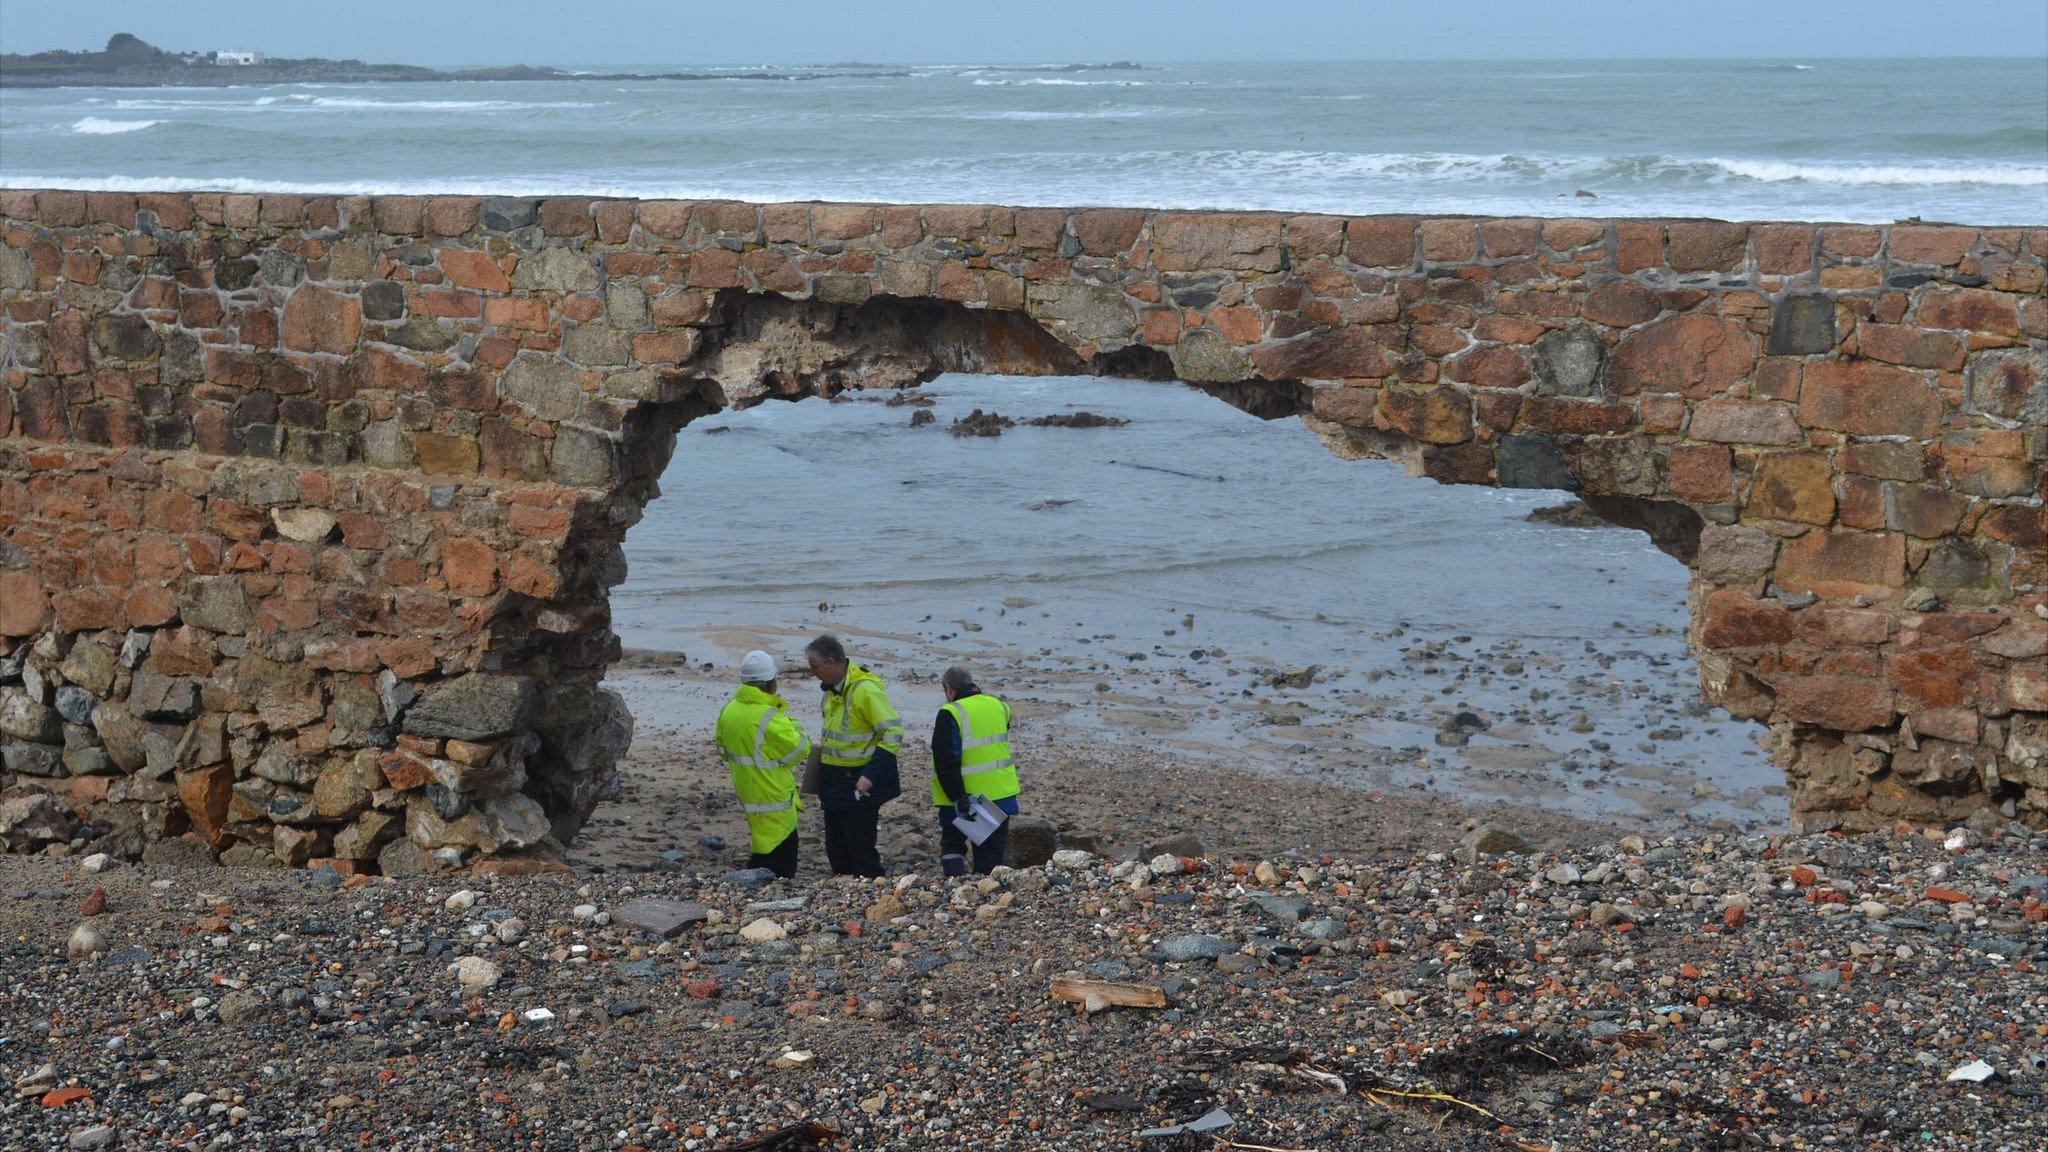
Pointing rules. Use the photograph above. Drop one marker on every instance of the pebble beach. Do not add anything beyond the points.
(1713, 992)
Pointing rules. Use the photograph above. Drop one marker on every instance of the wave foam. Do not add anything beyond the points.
(1060, 82)
(95, 126)
(449, 105)
(1778, 171)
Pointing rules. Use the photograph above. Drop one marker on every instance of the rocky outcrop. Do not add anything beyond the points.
(309, 506)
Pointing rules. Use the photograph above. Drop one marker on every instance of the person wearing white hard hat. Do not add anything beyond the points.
(763, 747)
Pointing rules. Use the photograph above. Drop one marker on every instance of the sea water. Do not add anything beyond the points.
(1847, 140)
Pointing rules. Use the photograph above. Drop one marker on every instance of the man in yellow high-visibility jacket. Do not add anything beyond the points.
(764, 748)
(971, 757)
(856, 757)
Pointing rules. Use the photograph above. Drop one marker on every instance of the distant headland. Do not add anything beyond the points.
(130, 62)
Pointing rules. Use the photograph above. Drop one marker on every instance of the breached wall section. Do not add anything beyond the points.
(308, 506)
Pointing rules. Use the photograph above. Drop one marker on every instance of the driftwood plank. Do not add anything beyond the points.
(1095, 995)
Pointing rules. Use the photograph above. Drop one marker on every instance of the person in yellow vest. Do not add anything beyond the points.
(856, 757)
(764, 748)
(971, 757)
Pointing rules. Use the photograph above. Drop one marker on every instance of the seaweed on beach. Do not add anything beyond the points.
(1493, 1060)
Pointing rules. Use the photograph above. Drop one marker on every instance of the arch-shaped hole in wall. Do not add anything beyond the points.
(1152, 584)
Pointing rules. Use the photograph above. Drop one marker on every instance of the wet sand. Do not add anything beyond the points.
(1272, 767)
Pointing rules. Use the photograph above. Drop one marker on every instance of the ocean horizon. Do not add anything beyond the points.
(1851, 140)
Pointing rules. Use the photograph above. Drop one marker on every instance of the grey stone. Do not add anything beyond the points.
(218, 604)
(280, 269)
(134, 648)
(663, 918)
(402, 857)
(384, 300)
(183, 852)
(250, 856)
(584, 459)
(24, 719)
(1091, 315)
(1801, 326)
(498, 824)
(504, 213)
(1204, 356)
(421, 334)
(1735, 551)
(1568, 362)
(125, 336)
(243, 1006)
(2004, 946)
(234, 275)
(1184, 844)
(90, 666)
(477, 706)
(1032, 841)
(282, 764)
(15, 270)
(289, 806)
(183, 360)
(364, 838)
(124, 736)
(1951, 563)
(1287, 910)
(545, 387)
(97, 1136)
(496, 776)
(1235, 963)
(555, 270)
(626, 305)
(1323, 929)
(394, 695)
(1533, 462)
(75, 704)
(33, 759)
(29, 822)
(1195, 947)
(749, 878)
(305, 525)
(1824, 979)
(1487, 840)
(384, 445)
(598, 346)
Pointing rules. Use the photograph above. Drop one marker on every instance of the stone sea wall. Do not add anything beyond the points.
(309, 506)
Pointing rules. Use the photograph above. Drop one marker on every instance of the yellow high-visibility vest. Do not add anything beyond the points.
(986, 767)
(763, 747)
(858, 720)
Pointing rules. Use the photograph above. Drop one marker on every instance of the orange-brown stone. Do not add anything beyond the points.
(1792, 486)
(319, 320)
(467, 269)
(1868, 399)
(1699, 356)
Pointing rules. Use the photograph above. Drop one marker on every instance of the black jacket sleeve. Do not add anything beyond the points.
(946, 755)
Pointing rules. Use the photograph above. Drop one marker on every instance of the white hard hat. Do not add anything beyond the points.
(757, 667)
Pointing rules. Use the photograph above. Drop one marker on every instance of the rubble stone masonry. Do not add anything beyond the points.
(309, 505)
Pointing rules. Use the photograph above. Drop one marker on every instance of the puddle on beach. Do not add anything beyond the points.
(1147, 584)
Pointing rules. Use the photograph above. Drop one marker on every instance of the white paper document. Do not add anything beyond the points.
(987, 818)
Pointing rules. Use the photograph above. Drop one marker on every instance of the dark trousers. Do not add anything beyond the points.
(780, 859)
(850, 840)
(953, 846)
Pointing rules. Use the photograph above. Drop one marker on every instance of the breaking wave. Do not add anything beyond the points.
(1060, 82)
(95, 126)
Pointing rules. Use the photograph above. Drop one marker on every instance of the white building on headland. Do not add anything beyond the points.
(231, 57)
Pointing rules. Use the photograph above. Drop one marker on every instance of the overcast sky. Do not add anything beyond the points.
(584, 32)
